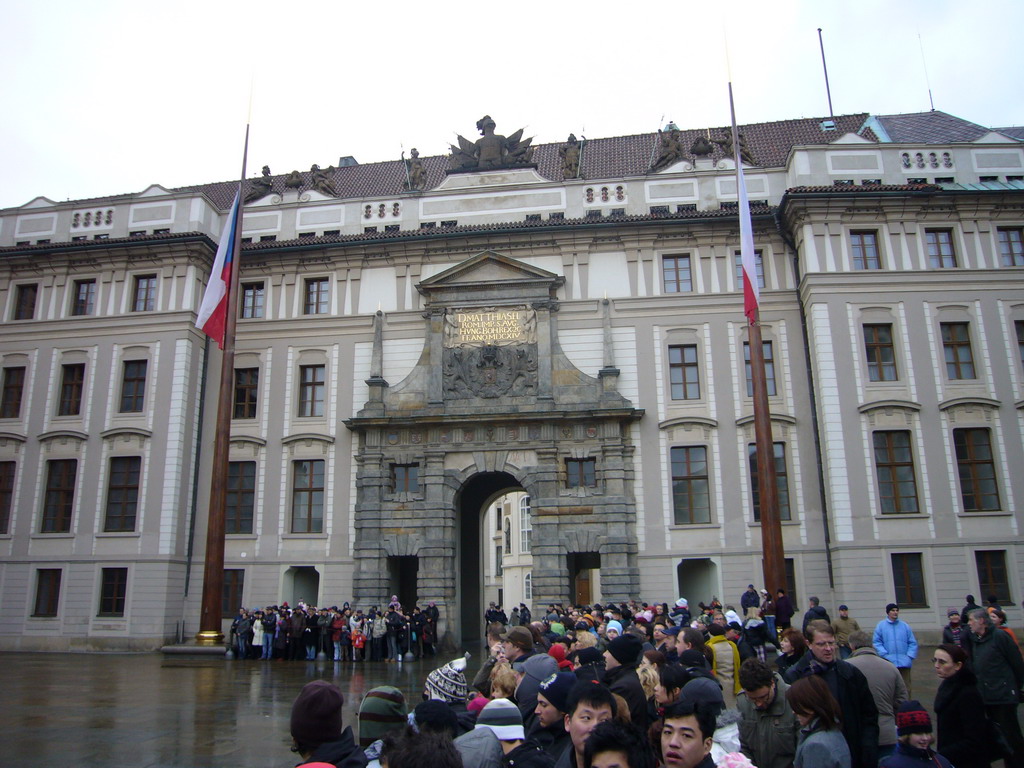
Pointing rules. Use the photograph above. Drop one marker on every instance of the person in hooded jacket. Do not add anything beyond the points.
(316, 728)
(962, 728)
(620, 662)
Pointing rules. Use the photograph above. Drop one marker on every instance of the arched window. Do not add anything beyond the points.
(528, 587)
(525, 524)
(508, 536)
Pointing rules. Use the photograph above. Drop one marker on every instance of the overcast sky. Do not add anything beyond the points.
(108, 97)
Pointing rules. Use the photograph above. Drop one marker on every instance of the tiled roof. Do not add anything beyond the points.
(1013, 131)
(111, 242)
(933, 127)
(756, 209)
(617, 157)
(840, 189)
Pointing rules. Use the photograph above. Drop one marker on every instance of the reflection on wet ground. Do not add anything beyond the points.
(152, 710)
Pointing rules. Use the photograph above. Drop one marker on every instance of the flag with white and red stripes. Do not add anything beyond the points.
(213, 311)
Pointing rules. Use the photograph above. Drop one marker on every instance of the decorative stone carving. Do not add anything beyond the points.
(701, 147)
(260, 187)
(726, 144)
(491, 152)
(416, 174)
(670, 150)
(570, 154)
(293, 180)
(490, 371)
(323, 180)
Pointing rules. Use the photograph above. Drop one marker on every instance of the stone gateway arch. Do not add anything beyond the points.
(492, 405)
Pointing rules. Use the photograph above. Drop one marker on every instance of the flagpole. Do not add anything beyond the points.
(210, 621)
(774, 558)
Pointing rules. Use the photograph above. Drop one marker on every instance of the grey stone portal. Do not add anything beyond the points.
(493, 404)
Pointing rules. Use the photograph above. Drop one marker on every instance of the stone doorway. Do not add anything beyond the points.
(301, 582)
(476, 495)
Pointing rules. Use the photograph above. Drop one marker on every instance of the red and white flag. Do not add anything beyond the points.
(751, 291)
(213, 311)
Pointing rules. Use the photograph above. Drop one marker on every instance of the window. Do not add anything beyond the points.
(60, 495)
(675, 272)
(308, 496)
(956, 346)
(241, 495)
(47, 592)
(864, 248)
(880, 352)
(528, 587)
(316, 297)
(497, 562)
(580, 473)
(247, 382)
(525, 525)
(6, 494)
(894, 467)
(113, 590)
(231, 600)
(123, 494)
(144, 298)
(691, 501)
(940, 248)
(405, 478)
(252, 300)
(85, 297)
(1011, 246)
(684, 372)
(908, 579)
(992, 575)
(311, 390)
(25, 301)
(133, 386)
(769, 368)
(508, 536)
(1019, 325)
(977, 469)
(781, 481)
(758, 264)
(71, 382)
(14, 387)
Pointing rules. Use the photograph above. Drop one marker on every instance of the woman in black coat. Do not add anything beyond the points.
(963, 731)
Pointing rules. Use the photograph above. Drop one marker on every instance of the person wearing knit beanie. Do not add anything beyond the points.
(316, 726)
(436, 717)
(557, 652)
(625, 650)
(503, 718)
(914, 728)
(448, 683)
(552, 702)
(381, 712)
(620, 661)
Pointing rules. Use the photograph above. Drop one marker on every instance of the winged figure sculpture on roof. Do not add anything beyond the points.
(491, 151)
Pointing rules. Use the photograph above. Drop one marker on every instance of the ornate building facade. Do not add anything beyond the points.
(417, 339)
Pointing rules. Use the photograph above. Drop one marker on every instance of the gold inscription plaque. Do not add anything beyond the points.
(493, 327)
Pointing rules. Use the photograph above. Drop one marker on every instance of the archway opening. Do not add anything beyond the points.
(697, 579)
(301, 582)
(476, 494)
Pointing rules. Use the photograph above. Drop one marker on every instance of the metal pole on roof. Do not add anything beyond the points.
(828, 92)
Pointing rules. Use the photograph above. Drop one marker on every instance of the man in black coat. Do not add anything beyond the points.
(783, 611)
(815, 613)
(848, 685)
(620, 662)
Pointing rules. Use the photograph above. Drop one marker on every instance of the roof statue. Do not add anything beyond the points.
(726, 144)
(260, 186)
(670, 150)
(323, 180)
(416, 174)
(570, 154)
(701, 147)
(293, 180)
(492, 151)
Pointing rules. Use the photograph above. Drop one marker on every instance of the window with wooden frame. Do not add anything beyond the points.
(59, 497)
(247, 382)
(308, 496)
(992, 575)
(72, 381)
(47, 592)
(241, 497)
(113, 591)
(956, 349)
(312, 379)
(767, 350)
(231, 594)
(25, 296)
(13, 390)
(691, 499)
(405, 478)
(781, 481)
(84, 300)
(864, 249)
(123, 494)
(977, 469)
(1011, 246)
(252, 300)
(881, 354)
(684, 372)
(580, 473)
(908, 580)
(133, 386)
(7, 471)
(316, 296)
(894, 468)
(675, 272)
(941, 254)
(144, 295)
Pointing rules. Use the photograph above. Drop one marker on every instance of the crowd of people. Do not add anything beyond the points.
(635, 685)
(343, 634)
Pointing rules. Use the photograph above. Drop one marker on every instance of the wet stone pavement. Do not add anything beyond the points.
(154, 710)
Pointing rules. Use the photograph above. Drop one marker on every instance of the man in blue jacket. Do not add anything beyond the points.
(894, 640)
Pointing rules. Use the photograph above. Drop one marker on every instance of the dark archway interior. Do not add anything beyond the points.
(479, 491)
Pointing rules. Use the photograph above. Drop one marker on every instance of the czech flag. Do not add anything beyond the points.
(213, 311)
(751, 290)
